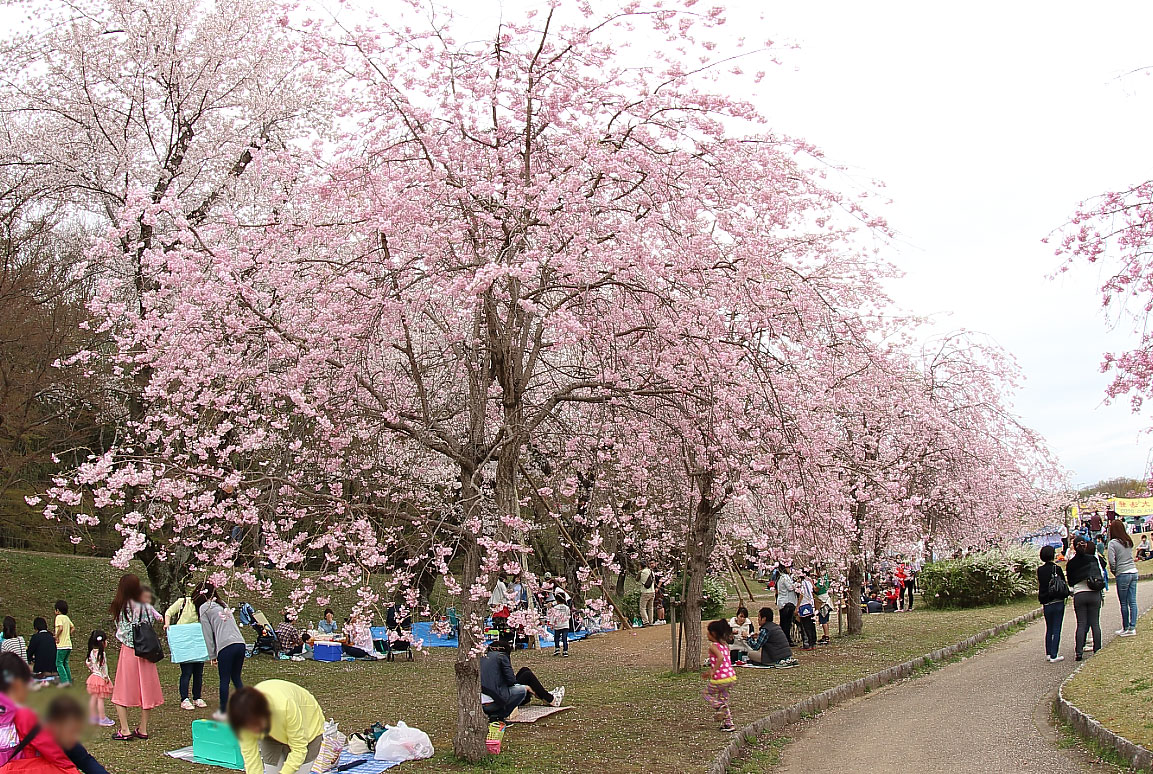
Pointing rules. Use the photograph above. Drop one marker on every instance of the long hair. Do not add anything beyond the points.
(97, 641)
(1118, 532)
(127, 591)
(9, 627)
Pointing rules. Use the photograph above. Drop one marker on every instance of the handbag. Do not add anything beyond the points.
(1095, 582)
(145, 643)
(1058, 588)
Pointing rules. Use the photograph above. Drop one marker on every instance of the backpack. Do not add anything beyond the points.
(1095, 581)
(1058, 588)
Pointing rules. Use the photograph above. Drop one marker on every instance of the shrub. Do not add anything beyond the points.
(989, 578)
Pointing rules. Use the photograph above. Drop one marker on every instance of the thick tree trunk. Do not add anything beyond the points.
(471, 722)
(856, 575)
(702, 540)
(168, 575)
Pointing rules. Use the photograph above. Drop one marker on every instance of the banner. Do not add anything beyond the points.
(1136, 506)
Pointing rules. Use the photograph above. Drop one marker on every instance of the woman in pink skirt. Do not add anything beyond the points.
(137, 681)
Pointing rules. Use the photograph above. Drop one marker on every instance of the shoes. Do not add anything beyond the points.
(808, 647)
(1127, 633)
(63, 685)
(187, 705)
(200, 703)
(218, 715)
(298, 658)
(555, 653)
(106, 722)
(557, 696)
(566, 652)
(1055, 659)
(1120, 632)
(728, 728)
(1079, 657)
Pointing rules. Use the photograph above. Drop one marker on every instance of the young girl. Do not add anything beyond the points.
(23, 747)
(720, 674)
(99, 686)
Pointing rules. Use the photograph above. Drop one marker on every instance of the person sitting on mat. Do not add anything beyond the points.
(506, 689)
(770, 646)
(279, 725)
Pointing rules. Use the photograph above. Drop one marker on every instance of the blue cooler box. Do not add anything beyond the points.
(326, 651)
(215, 744)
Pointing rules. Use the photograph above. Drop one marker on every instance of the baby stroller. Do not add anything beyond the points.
(266, 640)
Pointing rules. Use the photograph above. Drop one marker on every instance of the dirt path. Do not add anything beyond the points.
(988, 713)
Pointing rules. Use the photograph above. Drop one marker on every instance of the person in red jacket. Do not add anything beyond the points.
(25, 748)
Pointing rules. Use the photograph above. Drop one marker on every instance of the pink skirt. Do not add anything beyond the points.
(100, 687)
(137, 682)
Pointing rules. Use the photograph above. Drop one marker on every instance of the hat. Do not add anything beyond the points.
(548, 576)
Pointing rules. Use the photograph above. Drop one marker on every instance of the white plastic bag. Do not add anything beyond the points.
(403, 743)
(330, 748)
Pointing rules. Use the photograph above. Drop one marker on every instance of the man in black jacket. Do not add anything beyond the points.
(769, 646)
(507, 690)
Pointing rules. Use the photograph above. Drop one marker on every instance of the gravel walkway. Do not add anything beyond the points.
(988, 713)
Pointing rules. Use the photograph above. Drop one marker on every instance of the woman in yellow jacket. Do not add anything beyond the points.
(279, 725)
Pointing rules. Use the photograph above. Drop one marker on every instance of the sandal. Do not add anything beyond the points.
(119, 737)
(137, 735)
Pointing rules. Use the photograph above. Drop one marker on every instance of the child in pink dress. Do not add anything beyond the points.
(720, 673)
(99, 686)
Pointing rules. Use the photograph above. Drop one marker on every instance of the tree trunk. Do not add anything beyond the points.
(471, 722)
(856, 579)
(702, 540)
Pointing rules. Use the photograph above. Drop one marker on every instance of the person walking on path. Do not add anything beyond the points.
(1083, 572)
(64, 629)
(137, 680)
(183, 611)
(1052, 591)
(222, 636)
(648, 581)
(1124, 569)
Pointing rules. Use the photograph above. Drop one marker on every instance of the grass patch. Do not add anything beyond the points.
(624, 696)
(760, 756)
(1116, 685)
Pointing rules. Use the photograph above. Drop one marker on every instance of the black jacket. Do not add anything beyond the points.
(84, 761)
(1081, 567)
(772, 642)
(1044, 574)
(42, 652)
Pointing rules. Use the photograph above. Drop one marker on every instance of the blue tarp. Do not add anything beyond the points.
(423, 631)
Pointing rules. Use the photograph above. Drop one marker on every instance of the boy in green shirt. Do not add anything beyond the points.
(64, 630)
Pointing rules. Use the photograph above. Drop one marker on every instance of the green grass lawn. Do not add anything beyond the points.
(631, 714)
(1116, 685)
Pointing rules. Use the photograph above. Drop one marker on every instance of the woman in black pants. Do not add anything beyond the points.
(1083, 572)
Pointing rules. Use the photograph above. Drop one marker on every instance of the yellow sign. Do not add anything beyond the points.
(1136, 506)
(1073, 513)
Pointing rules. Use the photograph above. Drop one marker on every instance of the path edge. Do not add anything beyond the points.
(1088, 727)
(782, 718)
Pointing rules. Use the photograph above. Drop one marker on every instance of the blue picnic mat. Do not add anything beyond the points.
(423, 631)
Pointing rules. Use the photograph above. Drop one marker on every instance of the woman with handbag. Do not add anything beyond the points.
(1052, 591)
(137, 681)
(1086, 582)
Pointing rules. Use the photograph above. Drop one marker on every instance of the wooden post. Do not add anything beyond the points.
(741, 575)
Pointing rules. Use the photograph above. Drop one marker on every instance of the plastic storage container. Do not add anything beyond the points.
(326, 651)
(215, 744)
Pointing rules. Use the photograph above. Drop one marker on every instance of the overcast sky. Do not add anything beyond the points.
(988, 122)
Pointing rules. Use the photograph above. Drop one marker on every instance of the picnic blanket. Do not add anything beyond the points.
(366, 765)
(534, 713)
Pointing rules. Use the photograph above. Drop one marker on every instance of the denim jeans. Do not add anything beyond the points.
(191, 672)
(229, 663)
(1054, 616)
(1127, 596)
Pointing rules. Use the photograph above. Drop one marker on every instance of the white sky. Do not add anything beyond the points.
(988, 122)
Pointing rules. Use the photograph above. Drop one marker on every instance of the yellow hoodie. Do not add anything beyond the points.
(297, 719)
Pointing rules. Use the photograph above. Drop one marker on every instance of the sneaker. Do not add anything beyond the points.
(555, 653)
(298, 658)
(1055, 659)
(187, 705)
(557, 696)
(1128, 633)
(200, 703)
(218, 715)
(728, 728)
(1079, 657)
(566, 652)
(106, 722)
(1120, 632)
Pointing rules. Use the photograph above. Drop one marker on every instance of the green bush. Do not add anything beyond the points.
(715, 593)
(990, 578)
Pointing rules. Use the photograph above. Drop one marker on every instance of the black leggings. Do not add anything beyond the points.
(787, 621)
(191, 672)
(525, 676)
(352, 650)
(808, 630)
(910, 588)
